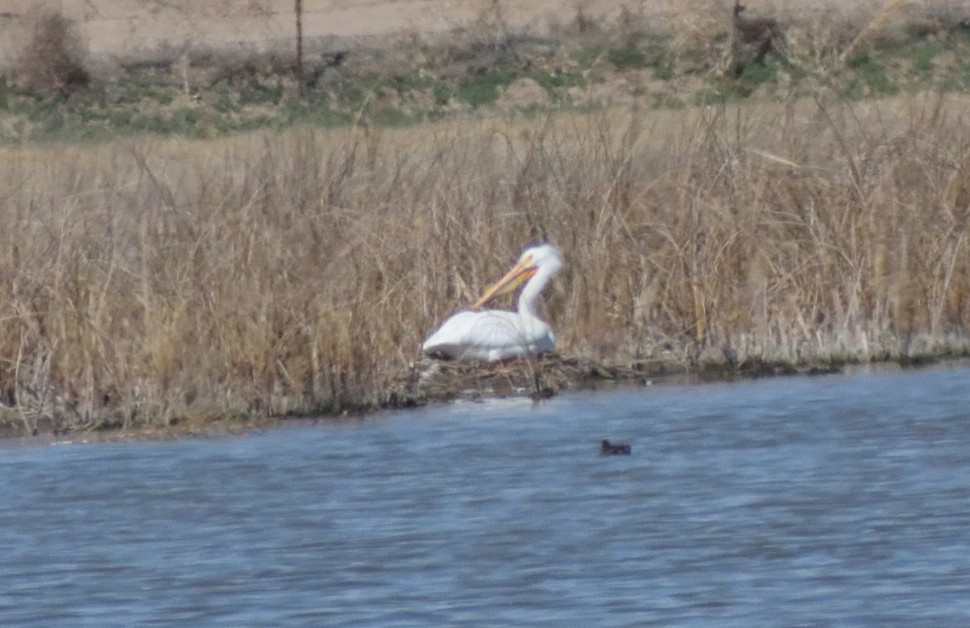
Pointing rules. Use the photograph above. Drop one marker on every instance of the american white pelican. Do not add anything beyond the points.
(498, 334)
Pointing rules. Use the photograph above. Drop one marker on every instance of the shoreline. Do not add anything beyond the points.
(471, 382)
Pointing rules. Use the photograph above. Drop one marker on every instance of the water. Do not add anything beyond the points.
(842, 499)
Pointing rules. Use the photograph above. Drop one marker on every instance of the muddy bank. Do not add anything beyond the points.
(437, 381)
(551, 375)
(434, 381)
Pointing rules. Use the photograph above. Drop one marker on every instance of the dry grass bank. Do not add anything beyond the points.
(149, 282)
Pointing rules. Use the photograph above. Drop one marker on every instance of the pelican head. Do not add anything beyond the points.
(542, 262)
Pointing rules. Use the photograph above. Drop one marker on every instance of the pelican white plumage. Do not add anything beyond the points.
(498, 334)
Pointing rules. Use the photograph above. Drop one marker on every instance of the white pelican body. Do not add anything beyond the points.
(498, 334)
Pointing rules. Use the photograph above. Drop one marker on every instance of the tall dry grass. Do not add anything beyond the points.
(147, 282)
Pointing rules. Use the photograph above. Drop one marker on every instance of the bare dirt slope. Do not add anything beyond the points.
(131, 29)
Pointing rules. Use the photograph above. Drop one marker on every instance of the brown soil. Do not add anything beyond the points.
(122, 30)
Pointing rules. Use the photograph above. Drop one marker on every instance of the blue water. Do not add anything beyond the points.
(840, 499)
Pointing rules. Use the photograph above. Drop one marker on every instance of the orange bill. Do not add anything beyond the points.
(511, 281)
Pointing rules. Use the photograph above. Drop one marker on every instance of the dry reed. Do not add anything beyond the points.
(149, 282)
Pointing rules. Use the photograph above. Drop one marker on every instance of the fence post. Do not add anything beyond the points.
(299, 40)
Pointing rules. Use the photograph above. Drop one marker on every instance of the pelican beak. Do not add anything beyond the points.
(510, 282)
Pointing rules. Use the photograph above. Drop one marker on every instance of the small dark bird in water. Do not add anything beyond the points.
(614, 449)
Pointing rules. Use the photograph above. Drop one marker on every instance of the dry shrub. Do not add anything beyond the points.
(701, 33)
(53, 61)
(816, 36)
(152, 282)
(893, 14)
(490, 38)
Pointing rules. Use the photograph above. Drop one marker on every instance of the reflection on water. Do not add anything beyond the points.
(772, 502)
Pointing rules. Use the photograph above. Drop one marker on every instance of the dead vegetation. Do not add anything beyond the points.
(155, 283)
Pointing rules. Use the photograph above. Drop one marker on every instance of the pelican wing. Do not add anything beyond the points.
(490, 335)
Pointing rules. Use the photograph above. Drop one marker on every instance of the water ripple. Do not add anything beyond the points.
(776, 502)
